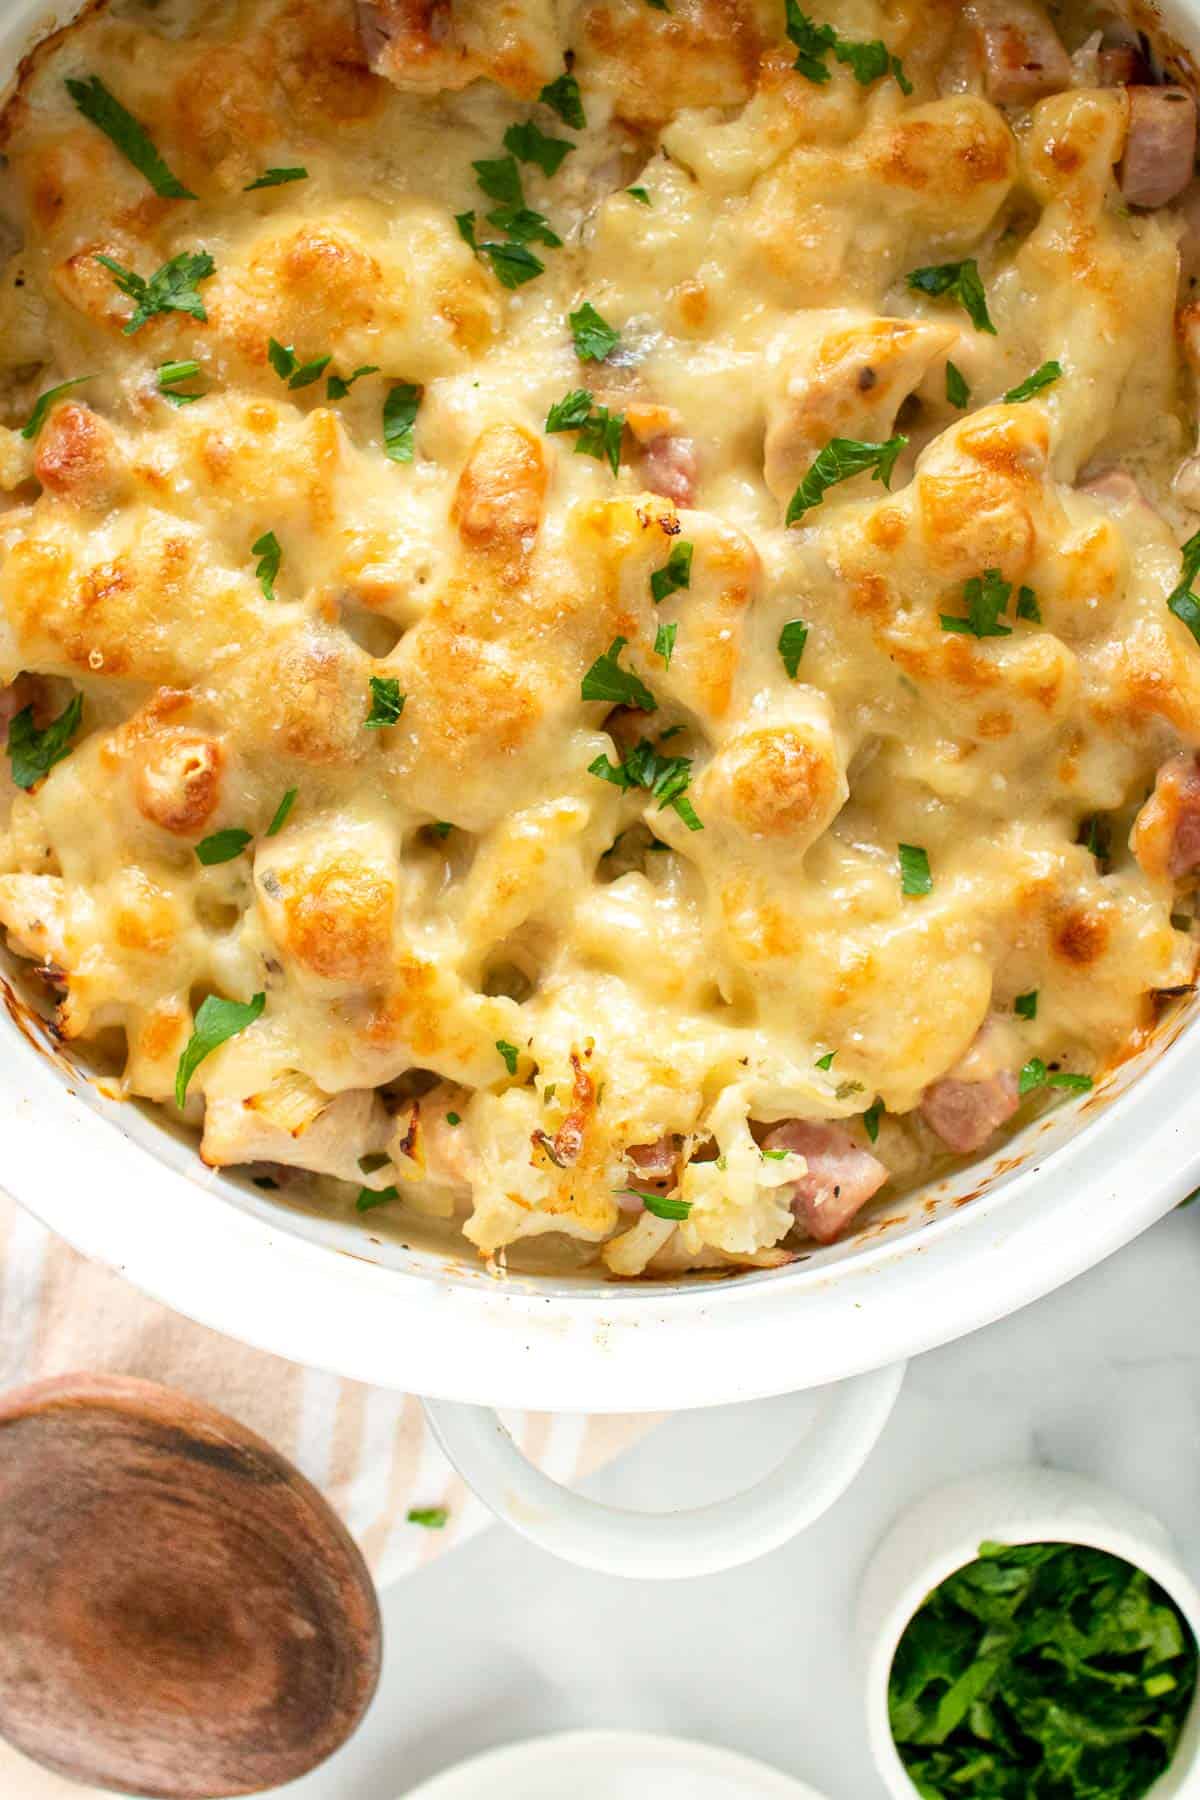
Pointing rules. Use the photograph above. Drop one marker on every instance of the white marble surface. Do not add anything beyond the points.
(496, 1641)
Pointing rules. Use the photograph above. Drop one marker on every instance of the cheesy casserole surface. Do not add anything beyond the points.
(600, 644)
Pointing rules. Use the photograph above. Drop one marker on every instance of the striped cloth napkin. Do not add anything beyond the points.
(367, 1448)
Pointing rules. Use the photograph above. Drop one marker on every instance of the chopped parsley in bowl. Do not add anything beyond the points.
(1046, 1671)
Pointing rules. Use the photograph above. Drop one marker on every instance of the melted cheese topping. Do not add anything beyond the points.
(488, 972)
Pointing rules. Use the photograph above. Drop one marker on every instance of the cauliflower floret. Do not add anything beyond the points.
(741, 1201)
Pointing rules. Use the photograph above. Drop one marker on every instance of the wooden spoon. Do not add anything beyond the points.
(181, 1613)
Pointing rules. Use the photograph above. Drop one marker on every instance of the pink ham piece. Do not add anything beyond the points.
(656, 1161)
(965, 1114)
(840, 1179)
(1166, 833)
(669, 467)
(1160, 147)
(1024, 59)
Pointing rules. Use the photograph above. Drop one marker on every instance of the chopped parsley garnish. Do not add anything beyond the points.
(33, 753)
(443, 827)
(959, 281)
(530, 144)
(510, 1054)
(563, 97)
(170, 377)
(289, 368)
(1027, 606)
(338, 386)
(838, 461)
(373, 1161)
(1036, 1075)
(826, 1061)
(986, 597)
(387, 702)
(512, 264)
(957, 391)
(915, 878)
(660, 1206)
(43, 403)
(675, 573)
(594, 337)
(222, 846)
(666, 777)
(1025, 1005)
(433, 1518)
(871, 1119)
(640, 195)
(215, 1021)
(131, 138)
(1044, 377)
(173, 288)
(664, 642)
(792, 640)
(599, 430)
(1043, 1671)
(1182, 601)
(500, 180)
(266, 548)
(281, 812)
(659, 5)
(1095, 835)
(869, 58)
(399, 421)
(777, 1155)
(369, 1198)
(525, 225)
(276, 178)
(607, 680)
(453, 1118)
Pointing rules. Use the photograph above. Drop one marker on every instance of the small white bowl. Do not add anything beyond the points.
(943, 1532)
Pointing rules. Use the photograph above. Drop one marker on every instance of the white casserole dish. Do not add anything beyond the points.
(1071, 1189)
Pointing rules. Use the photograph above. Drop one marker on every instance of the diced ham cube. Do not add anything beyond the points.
(1166, 833)
(1160, 147)
(965, 1114)
(669, 467)
(840, 1178)
(1024, 59)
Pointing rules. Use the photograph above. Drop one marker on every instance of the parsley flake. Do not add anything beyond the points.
(510, 1054)
(43, 403)
(266, 548)
(599, 430)
(641, 195)
(171, 375)
(563, 97)
(216, 1020)
(986, 597)
(607, 680)
(387, 702)
(530, 144)
(173, 288)
(369, 1198)
(666, 777)
(33, 753)
(826, 1061)
(915, 877)
(675, 573)
(1044, 377)
(512, 264)
(525, 225)
(838, 461)
(222, 846)
(500, 180)
(1025, 1005)
(959, 281)
(453, 1118)
(1027, 606)
(659, 1205)
(664, 642)
(1035, 1075)
(1182, 601)
(276, 178)
(792, 640)
(433, 1518)
(869, 59)
(338, 386)
(289, 368)
(131, 138)
(957, 391)
(399, 421)
(594, 337)
(871, 1119)
(281, 813)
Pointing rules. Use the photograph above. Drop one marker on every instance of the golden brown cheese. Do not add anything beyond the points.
(533, 950)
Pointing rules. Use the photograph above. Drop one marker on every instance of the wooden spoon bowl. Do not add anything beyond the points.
(181, 1613)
